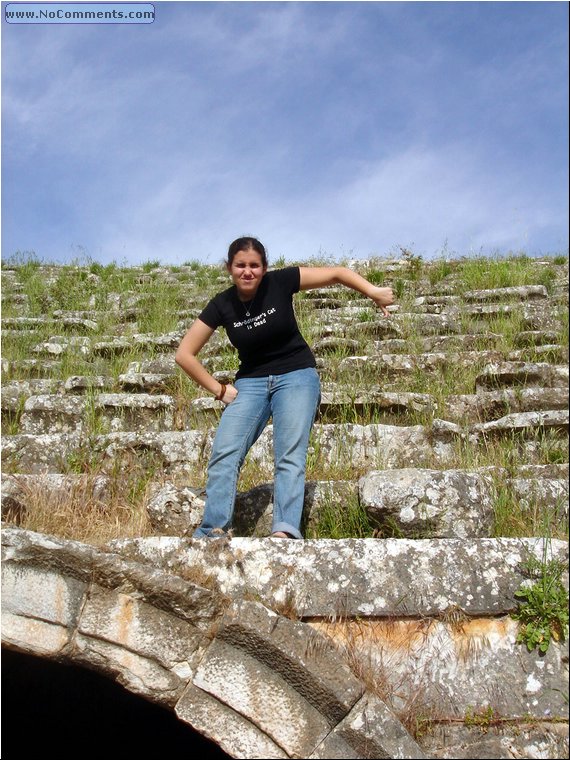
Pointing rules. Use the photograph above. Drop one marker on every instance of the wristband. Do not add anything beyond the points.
(222, 393)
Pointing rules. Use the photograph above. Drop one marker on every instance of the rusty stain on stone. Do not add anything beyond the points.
(125, 616)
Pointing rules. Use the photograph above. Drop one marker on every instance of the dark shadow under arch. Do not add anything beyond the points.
(49, 705)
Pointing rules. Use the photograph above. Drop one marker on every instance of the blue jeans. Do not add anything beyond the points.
(291, 400)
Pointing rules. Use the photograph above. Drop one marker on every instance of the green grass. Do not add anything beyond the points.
(511, 271)
(347, 519)
(543, 605)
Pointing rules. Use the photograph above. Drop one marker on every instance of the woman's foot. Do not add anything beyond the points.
(280, 534)
(220, 533)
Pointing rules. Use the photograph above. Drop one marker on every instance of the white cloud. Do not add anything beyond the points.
(334, 126)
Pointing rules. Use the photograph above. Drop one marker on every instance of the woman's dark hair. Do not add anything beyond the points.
(246, 244)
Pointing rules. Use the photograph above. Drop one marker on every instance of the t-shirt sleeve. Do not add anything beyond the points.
(289, 279)
(210, 315)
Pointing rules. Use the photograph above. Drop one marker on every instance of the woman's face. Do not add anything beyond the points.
(246, 271)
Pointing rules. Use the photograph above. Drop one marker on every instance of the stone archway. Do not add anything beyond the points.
(48, 702)
(256, 683)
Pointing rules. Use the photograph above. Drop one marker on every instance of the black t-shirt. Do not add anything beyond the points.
(268, 341)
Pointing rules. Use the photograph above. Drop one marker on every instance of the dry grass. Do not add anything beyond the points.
(81, 511)
(372, 649)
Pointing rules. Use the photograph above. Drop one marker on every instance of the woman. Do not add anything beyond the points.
(276, 378)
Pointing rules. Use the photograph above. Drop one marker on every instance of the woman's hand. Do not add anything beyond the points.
(229, 395)
(383, 297)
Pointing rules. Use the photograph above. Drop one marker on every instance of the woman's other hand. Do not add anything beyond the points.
(229, 395)
(383, 297)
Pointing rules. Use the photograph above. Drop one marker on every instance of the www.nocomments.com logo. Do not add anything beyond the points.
(79, 13)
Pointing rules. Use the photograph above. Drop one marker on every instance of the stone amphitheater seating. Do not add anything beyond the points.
(423, 604)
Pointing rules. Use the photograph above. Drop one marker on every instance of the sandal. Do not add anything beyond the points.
(281, 534)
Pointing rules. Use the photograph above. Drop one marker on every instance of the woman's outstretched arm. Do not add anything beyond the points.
(320, 277)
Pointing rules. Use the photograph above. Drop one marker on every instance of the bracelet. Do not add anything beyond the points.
(222, 393)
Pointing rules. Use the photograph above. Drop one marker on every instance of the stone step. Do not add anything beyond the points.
(446, 318)
(469, 342)
(116, 411)
(334, 404)
(89, 383)
(421, 503)
(162, 365)
(523, 422)
(520, 293)
(177, 511)
(15, 393)
(374, 578)
(30, 367)
(412, 503)
(146, 382)
(359, 447)
(333, 345)
(536, 337)
(388, 364)
(109, 346)
(489, 405)
(57, 345)
(347, 320)
(502, 373)
(553, 352)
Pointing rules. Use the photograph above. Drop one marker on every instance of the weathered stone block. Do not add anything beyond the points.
(371, 730)
(52, 414)
(521, 293)
(89, 564)
(141, 675)
(38, 453)
(14, 394)
(136, 411)
(523, 422)
(307, 662)
(263, 697)
(188, 447)
(429, 503)
(175, 511)
(165, 342)
(452, 664)
(358, 577)
(521, 373)
(488, 405)
(333, 345)
(40, 607)
(141, 628)
(141, 381)
(522, 740)
(373, 399)
(236, 735)
(83, 383)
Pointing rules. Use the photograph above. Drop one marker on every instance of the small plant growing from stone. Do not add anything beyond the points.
(543, 606)
(482, 718)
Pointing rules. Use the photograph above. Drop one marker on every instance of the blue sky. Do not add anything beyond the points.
(332, 128)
